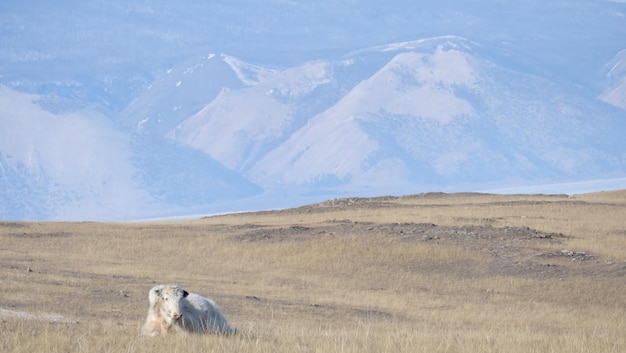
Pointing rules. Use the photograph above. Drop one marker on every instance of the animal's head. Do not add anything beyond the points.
(166, 300)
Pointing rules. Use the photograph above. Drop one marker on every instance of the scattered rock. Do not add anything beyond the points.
(573, 255)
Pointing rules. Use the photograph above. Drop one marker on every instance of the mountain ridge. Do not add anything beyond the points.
(437, 83)
(404, 116)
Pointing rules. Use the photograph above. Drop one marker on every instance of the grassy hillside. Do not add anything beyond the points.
(424, 273)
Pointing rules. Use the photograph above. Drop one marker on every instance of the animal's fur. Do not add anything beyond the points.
(155, 325)
(203, 315)
(174, 309)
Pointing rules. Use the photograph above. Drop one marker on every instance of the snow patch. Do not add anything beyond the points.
(44, 317)
(141, 123)
(412, 45)
(248, 73)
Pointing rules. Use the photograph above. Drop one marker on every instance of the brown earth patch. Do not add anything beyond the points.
(517, 251)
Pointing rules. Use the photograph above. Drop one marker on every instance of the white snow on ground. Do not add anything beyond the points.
(44, 317)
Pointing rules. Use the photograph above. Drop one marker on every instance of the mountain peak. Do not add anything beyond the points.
(445, 42)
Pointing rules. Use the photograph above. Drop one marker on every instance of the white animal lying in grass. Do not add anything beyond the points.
(173, 309)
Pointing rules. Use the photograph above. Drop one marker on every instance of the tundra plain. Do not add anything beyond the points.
(424, 273)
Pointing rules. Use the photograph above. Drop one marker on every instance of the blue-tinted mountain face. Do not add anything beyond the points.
(117, 110)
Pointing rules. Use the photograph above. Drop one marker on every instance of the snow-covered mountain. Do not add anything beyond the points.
(424, 113)
(79, 166)
(179, 93)
(240, 125)
(126, 110)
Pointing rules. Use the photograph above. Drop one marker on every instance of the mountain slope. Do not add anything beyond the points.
(181, 178)
(239, 126)
(55, 165)
(178, 93)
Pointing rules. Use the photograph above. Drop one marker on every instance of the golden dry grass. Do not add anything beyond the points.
(426, 273)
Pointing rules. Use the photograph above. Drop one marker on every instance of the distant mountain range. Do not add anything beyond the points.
(423, 113)
(216, 132)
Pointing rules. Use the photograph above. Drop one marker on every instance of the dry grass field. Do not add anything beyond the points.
(423, 273)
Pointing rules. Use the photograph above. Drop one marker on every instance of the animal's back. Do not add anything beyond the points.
(199, 302)
(203, 314)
